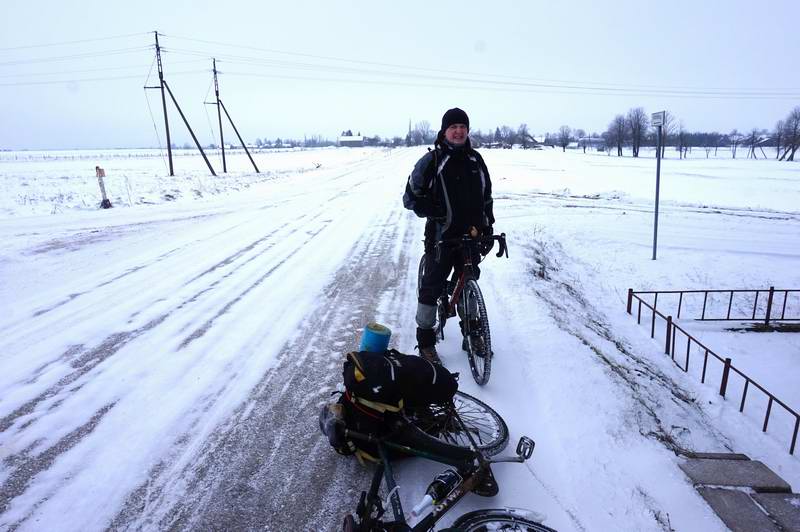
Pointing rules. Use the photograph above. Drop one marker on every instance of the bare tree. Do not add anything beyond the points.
(616, 133)
(752, 141)
(667, 130)
(508, 135)
(564, 137)
(524, 136)
(778, 136)
(637, 125)
(681, 138)
(735, 138)
(791, 134)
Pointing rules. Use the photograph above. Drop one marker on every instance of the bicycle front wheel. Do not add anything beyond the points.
(505, 519)
(480, 422)
(477, 338)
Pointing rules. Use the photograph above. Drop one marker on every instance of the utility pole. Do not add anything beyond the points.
(219, 117)
(164, 103)
(163, 85)
(219, 105)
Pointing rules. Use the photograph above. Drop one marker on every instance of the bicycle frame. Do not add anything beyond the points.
(476, 468)
(467, 243)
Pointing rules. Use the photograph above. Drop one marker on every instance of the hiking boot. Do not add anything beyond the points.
(426, 342)
(430, 354)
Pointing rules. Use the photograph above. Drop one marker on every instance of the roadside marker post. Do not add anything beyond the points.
(106, 203)
(658, 121)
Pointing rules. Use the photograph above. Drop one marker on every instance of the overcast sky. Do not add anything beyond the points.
(298, 68)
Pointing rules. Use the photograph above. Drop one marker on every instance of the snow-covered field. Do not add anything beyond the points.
(162, 363)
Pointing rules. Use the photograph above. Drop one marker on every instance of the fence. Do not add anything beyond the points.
(750, 305)
(672, 330)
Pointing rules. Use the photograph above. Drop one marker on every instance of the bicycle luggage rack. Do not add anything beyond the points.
(763, 314)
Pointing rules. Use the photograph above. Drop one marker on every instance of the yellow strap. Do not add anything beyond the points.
(380, 407)
(362, 456)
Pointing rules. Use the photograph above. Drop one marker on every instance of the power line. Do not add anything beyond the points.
(81, 80)
(83, 71)
(76, 56)
(538, 90)
(62, 43)
(467, 73)
(481, 79)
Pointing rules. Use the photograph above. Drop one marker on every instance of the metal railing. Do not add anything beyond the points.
(673, 329)
(737, 305)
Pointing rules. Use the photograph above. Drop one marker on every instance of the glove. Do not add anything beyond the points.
(487, 245)
(424, 207)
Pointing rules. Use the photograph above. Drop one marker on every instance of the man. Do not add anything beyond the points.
(449, 186)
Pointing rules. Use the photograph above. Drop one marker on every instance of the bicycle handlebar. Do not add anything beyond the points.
(467, 240)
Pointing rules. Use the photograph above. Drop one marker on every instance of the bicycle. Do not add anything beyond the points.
(445, 436)
(462, 293)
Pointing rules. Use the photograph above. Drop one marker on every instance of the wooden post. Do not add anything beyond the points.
(106, 203)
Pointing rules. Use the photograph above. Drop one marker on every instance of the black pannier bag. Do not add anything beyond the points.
(394, 380)
(378, 386)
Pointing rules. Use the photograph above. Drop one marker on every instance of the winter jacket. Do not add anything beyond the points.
(450, 186)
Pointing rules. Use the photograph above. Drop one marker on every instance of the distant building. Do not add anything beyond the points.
(353, 141)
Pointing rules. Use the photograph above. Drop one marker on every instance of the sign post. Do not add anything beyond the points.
(658, 121)
(101, 173)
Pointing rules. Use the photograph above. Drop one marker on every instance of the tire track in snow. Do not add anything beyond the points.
(262, 465)
(635, 373)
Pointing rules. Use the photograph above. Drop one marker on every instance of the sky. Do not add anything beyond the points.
(305, 68)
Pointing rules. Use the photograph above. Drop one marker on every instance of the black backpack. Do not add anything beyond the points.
(378, 386)
(390, 380)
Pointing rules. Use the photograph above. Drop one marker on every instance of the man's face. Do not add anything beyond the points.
(456, 134)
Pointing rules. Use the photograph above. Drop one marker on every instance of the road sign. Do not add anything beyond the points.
(658, 118)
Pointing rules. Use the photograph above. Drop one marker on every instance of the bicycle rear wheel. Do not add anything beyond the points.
(477, 338)
(480, 422)
(493, 520)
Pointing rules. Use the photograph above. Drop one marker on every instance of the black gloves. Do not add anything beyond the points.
(487, 244)
(424, 207)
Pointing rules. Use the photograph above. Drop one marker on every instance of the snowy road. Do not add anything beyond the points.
(163, 367)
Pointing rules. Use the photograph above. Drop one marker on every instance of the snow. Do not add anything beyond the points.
(140, 344)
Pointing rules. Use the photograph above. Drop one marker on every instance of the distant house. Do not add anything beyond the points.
(354, 141)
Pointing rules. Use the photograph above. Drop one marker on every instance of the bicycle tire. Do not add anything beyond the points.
(501, 519)
(478, 353)
(484, 424)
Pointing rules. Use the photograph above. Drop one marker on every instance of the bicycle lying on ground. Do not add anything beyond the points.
(462, 295)
(463, 434)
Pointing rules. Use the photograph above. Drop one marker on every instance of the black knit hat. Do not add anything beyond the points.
(454, 116)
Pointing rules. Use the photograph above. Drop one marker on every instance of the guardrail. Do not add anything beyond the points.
(750, 305)
(672, 331)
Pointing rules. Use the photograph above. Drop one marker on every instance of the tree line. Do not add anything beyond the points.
(633, 129)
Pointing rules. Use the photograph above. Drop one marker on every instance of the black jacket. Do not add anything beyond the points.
(451, 187)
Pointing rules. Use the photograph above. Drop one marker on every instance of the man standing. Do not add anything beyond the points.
(449, 186)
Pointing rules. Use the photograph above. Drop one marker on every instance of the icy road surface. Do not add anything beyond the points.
(162, 367)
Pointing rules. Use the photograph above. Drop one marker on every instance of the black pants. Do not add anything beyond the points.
(436, 273)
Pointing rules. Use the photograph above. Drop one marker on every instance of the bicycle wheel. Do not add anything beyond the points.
(477, 338)
(493, 520)
(485, 425)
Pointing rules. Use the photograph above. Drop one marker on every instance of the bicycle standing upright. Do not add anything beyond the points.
(463, 296)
